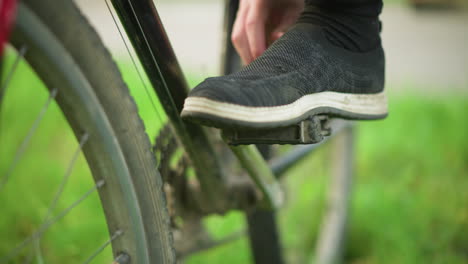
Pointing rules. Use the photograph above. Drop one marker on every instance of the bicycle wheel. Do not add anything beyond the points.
(67, 55)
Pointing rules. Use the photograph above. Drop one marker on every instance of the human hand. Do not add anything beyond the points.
(260, 22)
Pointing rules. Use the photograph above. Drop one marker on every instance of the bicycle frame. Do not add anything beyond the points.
(146, 32)
(216, 194)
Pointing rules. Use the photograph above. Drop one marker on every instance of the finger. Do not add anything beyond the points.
(239, 37)
(241, 44)
(255, 28)
(276, 35)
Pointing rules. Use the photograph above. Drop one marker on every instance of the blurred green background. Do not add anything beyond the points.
(410, 198)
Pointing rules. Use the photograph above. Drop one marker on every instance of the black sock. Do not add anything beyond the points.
(350, 24)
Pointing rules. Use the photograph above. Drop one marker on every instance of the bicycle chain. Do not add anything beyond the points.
(188, 230)
(173, 169)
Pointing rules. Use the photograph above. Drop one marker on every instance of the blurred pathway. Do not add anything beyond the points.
(426, 49)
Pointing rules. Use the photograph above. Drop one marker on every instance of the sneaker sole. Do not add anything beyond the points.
(226, 115)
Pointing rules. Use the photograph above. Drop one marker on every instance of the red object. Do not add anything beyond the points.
(7, 14)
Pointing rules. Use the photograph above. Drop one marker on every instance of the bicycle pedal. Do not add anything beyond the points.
(309, 131)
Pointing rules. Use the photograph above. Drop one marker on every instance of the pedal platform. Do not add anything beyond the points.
(309, 131)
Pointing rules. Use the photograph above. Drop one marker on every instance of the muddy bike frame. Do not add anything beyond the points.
(216, 195)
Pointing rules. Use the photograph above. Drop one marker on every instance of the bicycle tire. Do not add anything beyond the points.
(67, 54)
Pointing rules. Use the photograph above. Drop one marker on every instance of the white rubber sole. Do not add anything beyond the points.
(357, 104)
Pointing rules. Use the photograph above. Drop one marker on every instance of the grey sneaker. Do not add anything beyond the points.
(299, 76)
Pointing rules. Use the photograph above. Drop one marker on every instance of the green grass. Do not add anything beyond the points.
(410, 203)
(34, 181)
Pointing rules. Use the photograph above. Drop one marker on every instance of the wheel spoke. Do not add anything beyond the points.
(29, 257)
(38, 252)
(101, 248)
(208, 244)
(4, 85)
(41, 230)
(24, 144)
(59, 192)
(66, 176)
